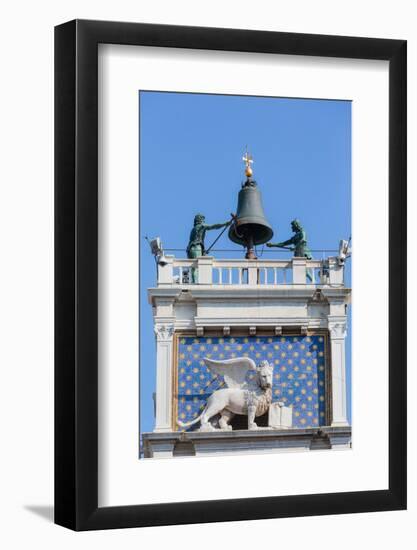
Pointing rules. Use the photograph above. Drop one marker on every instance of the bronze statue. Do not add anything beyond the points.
(196, 247)
(299, 240)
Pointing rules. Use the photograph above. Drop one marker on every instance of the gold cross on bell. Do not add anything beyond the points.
(248, 160)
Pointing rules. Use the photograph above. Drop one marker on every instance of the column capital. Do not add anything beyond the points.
(337, 327)
(164, 331)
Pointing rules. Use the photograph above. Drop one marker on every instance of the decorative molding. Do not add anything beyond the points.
(252, 331)
(278, 330)
(318, 298)
(226, 331)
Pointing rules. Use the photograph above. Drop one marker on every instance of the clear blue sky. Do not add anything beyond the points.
(191, 146)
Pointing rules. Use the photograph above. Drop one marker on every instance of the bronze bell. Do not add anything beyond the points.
(250, 226)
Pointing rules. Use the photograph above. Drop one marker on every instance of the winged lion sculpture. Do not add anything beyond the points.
(242, 396)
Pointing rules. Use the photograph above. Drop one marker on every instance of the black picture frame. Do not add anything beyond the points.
(76, 272)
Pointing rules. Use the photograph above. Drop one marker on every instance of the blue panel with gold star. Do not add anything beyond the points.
(298, 379)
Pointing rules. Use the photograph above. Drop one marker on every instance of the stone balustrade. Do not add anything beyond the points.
(238, 272)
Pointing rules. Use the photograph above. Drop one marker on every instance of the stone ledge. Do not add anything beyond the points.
(264, 440)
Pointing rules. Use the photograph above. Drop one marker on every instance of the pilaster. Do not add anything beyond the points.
(164, 349)
(337, 330)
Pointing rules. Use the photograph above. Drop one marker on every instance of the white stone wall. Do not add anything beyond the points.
(197, 307)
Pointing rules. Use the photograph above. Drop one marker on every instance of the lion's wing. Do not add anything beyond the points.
(233, 370)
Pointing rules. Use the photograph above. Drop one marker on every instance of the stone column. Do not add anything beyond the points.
(337, 329)
(164, 349)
